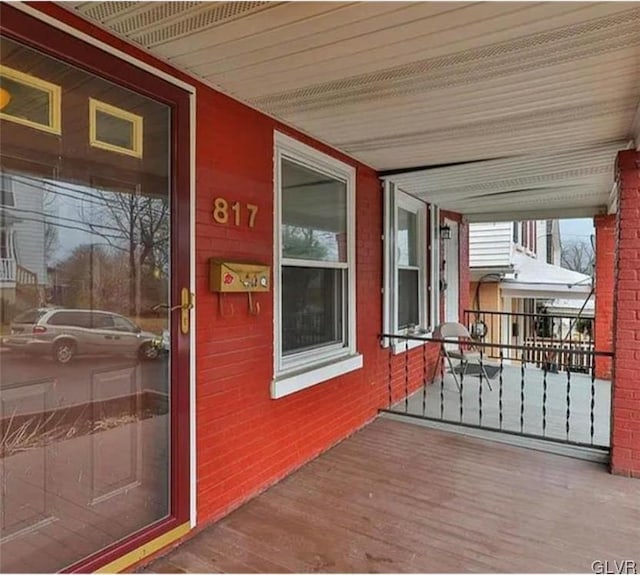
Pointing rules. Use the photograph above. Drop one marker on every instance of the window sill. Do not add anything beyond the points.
(400, 346)
(291, 383)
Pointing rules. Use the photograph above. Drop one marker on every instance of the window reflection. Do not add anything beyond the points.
(84, 367)
(314, 215)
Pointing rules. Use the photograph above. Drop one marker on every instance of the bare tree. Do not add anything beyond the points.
(51, 233)
(96, 277)
(578, 255)
(138, 225)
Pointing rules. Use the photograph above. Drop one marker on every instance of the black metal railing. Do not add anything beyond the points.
(545, 338)
(463, 383)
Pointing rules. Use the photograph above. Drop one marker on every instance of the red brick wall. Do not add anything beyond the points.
(625, 436)
(605, 270)
(245, 440)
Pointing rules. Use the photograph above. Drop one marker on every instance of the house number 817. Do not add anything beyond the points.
(221, 209)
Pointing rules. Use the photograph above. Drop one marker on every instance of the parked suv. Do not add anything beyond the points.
(65, 333)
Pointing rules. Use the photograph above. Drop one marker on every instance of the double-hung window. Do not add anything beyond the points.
(410, 298)
(315, 267)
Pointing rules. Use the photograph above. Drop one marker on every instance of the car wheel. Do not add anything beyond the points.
(63, 351)
(149, 351)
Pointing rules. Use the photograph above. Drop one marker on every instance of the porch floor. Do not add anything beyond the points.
(522, 396)
(397, 497)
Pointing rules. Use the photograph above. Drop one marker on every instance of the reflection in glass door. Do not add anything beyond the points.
(85, 216)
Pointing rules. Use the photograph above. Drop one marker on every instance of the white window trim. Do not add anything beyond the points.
(305, 369)
(395, 198)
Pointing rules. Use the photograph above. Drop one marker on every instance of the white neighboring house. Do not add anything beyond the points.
(515, 269)
(22, 238)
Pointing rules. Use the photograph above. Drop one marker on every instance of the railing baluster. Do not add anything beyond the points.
(390, 369)
(545, 368)
(593, 399)
(500, 339)
(406, 375)
(500, 415)
(568, 415)
(461, 392)
(522, 366)
(441, 360)
(480, 391)
(424, 380)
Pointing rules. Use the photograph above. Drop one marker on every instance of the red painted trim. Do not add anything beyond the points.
(34, 33)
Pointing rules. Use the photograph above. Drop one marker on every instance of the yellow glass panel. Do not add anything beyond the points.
(114, 129)
(28, 100)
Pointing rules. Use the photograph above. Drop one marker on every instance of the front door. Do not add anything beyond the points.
(93, 433)
(451, 271)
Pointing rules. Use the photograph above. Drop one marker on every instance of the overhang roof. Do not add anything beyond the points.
(532, 100)
(534, 275)
(572, 307)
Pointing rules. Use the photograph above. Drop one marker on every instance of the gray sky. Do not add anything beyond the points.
(579, 229)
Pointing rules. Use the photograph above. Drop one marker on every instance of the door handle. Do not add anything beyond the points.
(185, 306)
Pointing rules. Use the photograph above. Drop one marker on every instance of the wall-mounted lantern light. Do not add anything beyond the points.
(5, 98)
(445, 232)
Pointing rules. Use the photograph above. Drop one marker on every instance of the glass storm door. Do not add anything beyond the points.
(91, 350)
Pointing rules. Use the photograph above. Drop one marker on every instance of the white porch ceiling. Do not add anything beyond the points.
(532, 100)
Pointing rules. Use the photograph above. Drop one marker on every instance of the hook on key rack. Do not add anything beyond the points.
(253, 310)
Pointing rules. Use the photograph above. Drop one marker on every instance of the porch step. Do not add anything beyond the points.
(575, 451)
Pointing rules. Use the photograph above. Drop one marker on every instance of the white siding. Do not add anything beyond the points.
(490, 244)
(541, 243)
(29, 233)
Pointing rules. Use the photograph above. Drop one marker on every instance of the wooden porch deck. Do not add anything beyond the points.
(398, 497)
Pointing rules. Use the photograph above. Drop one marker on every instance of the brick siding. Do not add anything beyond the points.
(605, 271)
(625, 436)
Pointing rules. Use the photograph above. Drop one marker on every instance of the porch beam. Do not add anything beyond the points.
(426, 167)
(543, 214)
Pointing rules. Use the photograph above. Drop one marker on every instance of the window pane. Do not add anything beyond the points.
(408, 307)
(26, 102)
(102, 321)
(312, 308)
(407, 238)
(314, 215)
(113, 130)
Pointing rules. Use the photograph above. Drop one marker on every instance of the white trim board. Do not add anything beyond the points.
(301, 370)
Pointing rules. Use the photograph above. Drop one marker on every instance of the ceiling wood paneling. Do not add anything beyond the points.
(534, 98)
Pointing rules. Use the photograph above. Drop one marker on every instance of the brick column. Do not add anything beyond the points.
(605, 271)
(625, 412)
